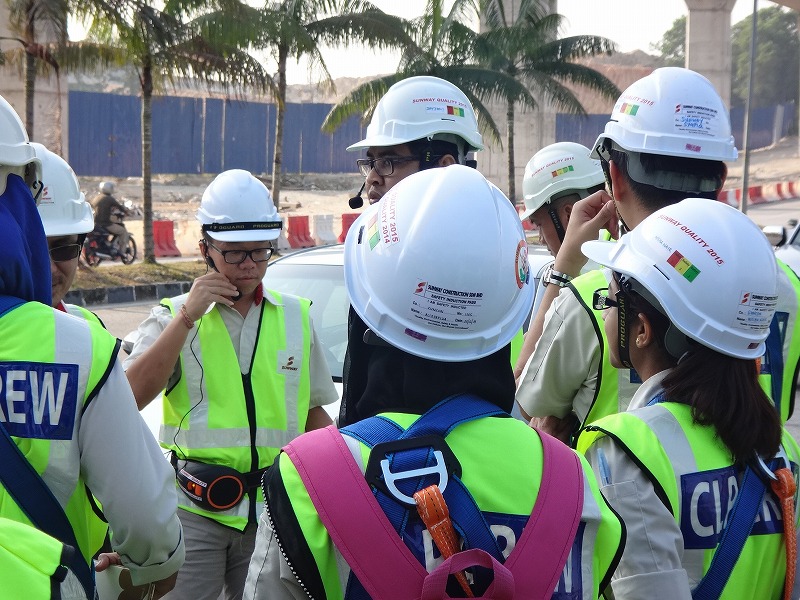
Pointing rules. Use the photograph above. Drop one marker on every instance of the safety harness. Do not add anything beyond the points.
(374, 506)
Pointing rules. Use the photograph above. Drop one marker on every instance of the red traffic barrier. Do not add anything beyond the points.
(347, 221)
(298, 233)
(526, 224)
(164, 239)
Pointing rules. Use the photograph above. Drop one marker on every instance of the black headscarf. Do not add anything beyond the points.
(382, 378)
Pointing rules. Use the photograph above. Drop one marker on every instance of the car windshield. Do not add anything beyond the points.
(324, 285)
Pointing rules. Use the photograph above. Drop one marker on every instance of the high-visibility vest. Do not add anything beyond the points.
(52, 364)
(501, 465)
(217, 415)
(615, 387)
(786, 313)
(32, 564)
(692, 473)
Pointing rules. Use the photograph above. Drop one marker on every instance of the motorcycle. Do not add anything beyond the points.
(101, 244)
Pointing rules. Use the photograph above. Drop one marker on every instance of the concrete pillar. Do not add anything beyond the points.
(708, 42)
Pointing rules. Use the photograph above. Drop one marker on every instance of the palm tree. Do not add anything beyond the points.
(526, 47)
(165, 44)
(299, 28)
(32, 21)
(440, 44)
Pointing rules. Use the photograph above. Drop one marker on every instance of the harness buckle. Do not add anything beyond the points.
(379, 474)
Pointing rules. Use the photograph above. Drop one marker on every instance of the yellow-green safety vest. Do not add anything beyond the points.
(501, 461)
(32, 564)
(51, 364)
(786, 312)
(692, 471)
(216, 415)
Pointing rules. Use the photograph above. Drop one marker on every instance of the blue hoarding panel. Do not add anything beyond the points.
(245, 134)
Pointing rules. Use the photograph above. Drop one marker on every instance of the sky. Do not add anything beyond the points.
(633, 24)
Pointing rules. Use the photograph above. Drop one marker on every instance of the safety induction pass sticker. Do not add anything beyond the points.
(755, 311)
(696, 120)
(444, 307)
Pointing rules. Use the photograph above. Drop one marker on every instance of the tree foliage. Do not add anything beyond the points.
(672, 47)
(526, 47)
(295, 29)
(777, 55)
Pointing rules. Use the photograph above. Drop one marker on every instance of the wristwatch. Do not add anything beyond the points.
(557, 278)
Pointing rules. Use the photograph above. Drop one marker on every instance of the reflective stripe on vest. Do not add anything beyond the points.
(84, 313)
(615, 387)
(692, 473)
(217, 429)
(786, 314)
(506, 505)
(50, 365)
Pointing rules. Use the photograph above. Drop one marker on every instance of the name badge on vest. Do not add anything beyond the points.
(38, 400)
(706, 500)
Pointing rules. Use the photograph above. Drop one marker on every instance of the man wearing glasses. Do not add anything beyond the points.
(67, 218)
(421, 122)
(242, 372)
(668, 139)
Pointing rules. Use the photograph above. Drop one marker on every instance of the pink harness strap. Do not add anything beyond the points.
(378, 556)
(352, 516)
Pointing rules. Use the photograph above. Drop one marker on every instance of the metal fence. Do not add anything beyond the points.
(202, 135)
(206, 135)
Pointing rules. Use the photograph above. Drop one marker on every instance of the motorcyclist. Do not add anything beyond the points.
(108, 214)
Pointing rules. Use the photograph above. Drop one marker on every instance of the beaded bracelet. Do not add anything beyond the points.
(187, 320)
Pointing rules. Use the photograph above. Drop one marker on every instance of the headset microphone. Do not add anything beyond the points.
(357, 201)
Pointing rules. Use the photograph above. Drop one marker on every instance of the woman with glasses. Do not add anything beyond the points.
(242, 374)
(699, 467)
(67, 218)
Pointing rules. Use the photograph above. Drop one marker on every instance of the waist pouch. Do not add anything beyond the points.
(213, 487)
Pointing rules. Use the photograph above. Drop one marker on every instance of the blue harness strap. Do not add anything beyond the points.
(438, 421)
(774, 351)
(741, 517)
(36, 500)
(740, 522)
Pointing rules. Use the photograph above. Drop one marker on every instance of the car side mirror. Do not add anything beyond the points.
(776, 234)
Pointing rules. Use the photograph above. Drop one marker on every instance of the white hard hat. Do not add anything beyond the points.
(557, 170)
(237, 207)
(708, 266)
(106, 187)
(15, 148)
(420, 274)
(62, 204)
(673, 112)
(422, 108)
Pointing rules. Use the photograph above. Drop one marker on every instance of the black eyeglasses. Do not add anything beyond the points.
(237, 257)
(65, 253)
(383, 166)
(601, 300)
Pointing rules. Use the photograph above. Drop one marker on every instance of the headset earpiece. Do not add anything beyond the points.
(208, 260)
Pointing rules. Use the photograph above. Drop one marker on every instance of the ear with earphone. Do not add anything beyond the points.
(210, 262)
